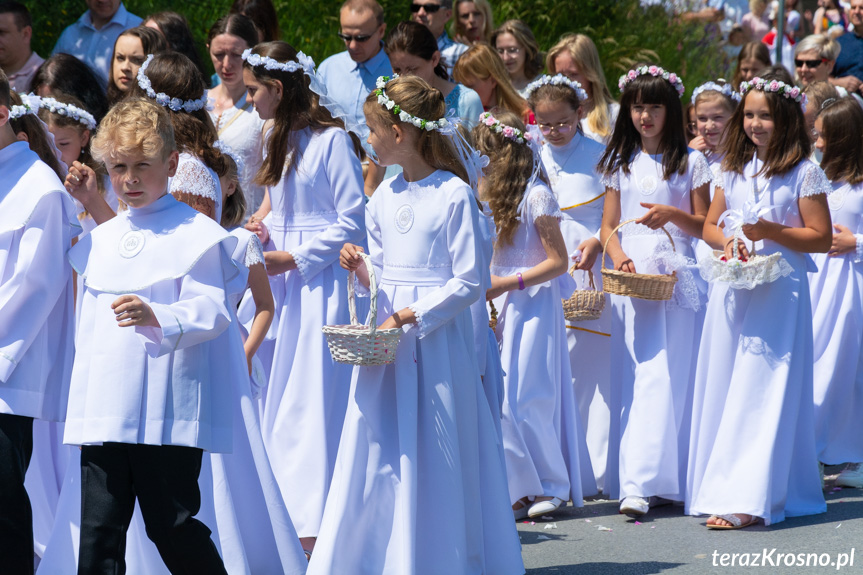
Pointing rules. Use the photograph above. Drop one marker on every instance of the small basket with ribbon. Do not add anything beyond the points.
(739, 272)
(362, 344)
(584, 304)
(655, 287)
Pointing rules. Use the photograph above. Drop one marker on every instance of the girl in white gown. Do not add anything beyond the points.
(570, 159)
(419, 484)
(316, 204)
(836, 290)
(542, 435)
(651, 176)
(714, 103)
(752, 452)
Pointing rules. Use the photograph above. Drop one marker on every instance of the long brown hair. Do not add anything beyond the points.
(508, 174)
(750, 51)
(481, 62)
(842, 130)
(789, 143)
(37, 137)
(152, 42)
(533, 56)
(175, 75)
(298, 108)
(413, 95)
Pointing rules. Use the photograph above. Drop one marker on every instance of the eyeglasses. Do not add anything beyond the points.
(511, 50)
(809, 63)
(429, 8)
(355, 38)
(692, 126)
(561, 128)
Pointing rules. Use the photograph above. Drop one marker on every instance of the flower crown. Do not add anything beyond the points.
(444, 125)
(790, 92)
(30, 104)
(724, 89)
(509, 132)
(163, 99)
(304, 63)
(654, 71)
(74, 112)
(226, 149)
(558, 80)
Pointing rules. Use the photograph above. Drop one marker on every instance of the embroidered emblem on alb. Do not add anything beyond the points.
(836, 200)
(404, 218)
(648, 185)
(131, 243)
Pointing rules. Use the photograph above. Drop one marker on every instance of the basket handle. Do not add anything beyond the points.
(589, 276)
(734, 250)
(372, 318)
(614, 231)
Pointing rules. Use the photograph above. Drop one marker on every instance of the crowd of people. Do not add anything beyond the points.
(172, 244)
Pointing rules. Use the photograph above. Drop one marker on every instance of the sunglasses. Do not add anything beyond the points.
(356, 38)
(809, 63)
(429, 8)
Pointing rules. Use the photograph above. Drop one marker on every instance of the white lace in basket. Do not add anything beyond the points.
(755, 271)
(362, 344)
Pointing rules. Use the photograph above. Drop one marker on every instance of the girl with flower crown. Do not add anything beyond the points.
(570, 159)
(752, 452)
(714, 103)
(419, 485)
(836, 291)
(314, 204)
(542, 436)
(651, 176)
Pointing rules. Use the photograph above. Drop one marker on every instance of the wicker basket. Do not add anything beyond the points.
(584, 304)
(656, 287)
(362, 344)
(756, 270)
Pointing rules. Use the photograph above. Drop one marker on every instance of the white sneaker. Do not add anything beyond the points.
(851, 476)
(634, 506)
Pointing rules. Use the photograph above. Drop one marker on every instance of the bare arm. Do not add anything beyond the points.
(610, 220)
(692, 223)
(264, 310)
(552, 266)
(815, 236)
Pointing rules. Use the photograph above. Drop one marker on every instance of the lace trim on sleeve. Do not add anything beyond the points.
(543, 203)
(859, 257)
(302, 265)
(254, 252)
(612, 181)
(701, 172)
(193, 178)
(815, 182)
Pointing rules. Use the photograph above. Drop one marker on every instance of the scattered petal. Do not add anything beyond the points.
(653, 526)
(838, 526)
(550, 526)
(604, 528)
(542, 538)
(588, 521)
(638, 522)
(701, 556)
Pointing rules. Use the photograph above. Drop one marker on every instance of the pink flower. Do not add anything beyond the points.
(653, 70)
(489, 121)
(774, 85)
(672, 78)
(632, 75)
(794, 92)
(508, 131)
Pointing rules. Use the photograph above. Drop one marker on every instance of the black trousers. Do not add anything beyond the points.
(16, 517)
(164, 479)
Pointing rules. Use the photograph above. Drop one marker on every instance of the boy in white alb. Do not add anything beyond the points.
(37, 223)
(148, 392)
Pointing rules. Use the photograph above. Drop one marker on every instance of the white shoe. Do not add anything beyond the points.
(851, 476)
(634, 506)
(542, 507)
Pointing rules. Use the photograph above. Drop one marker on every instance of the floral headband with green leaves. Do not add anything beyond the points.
(444, 125)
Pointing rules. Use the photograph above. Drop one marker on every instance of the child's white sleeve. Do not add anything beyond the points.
(459, 292)
(36, 275)
(198, 315)
(345, 179)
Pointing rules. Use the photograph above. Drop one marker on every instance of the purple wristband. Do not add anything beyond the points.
(520, 281)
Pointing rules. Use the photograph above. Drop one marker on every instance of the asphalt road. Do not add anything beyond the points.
(596, 540)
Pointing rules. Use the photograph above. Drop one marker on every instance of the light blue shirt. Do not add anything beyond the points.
(95, 47)
(349, 83)
(450, 51)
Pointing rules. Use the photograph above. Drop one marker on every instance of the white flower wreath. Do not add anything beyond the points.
(304, 63)
(175, 104)
(444, 125)
(30, 105)
(70, 111)
(557, 80)
(762, 85)
(724, 89)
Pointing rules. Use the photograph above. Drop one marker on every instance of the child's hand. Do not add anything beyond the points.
(742, 250)
(279, 262)
(498, 287)
(844, 242)
(590, 250)
(624, 264)
(81, 183)
(698, 143)
(130, 311)
(757, 231)
(349, 258)
(657, 215)
(259, 229)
